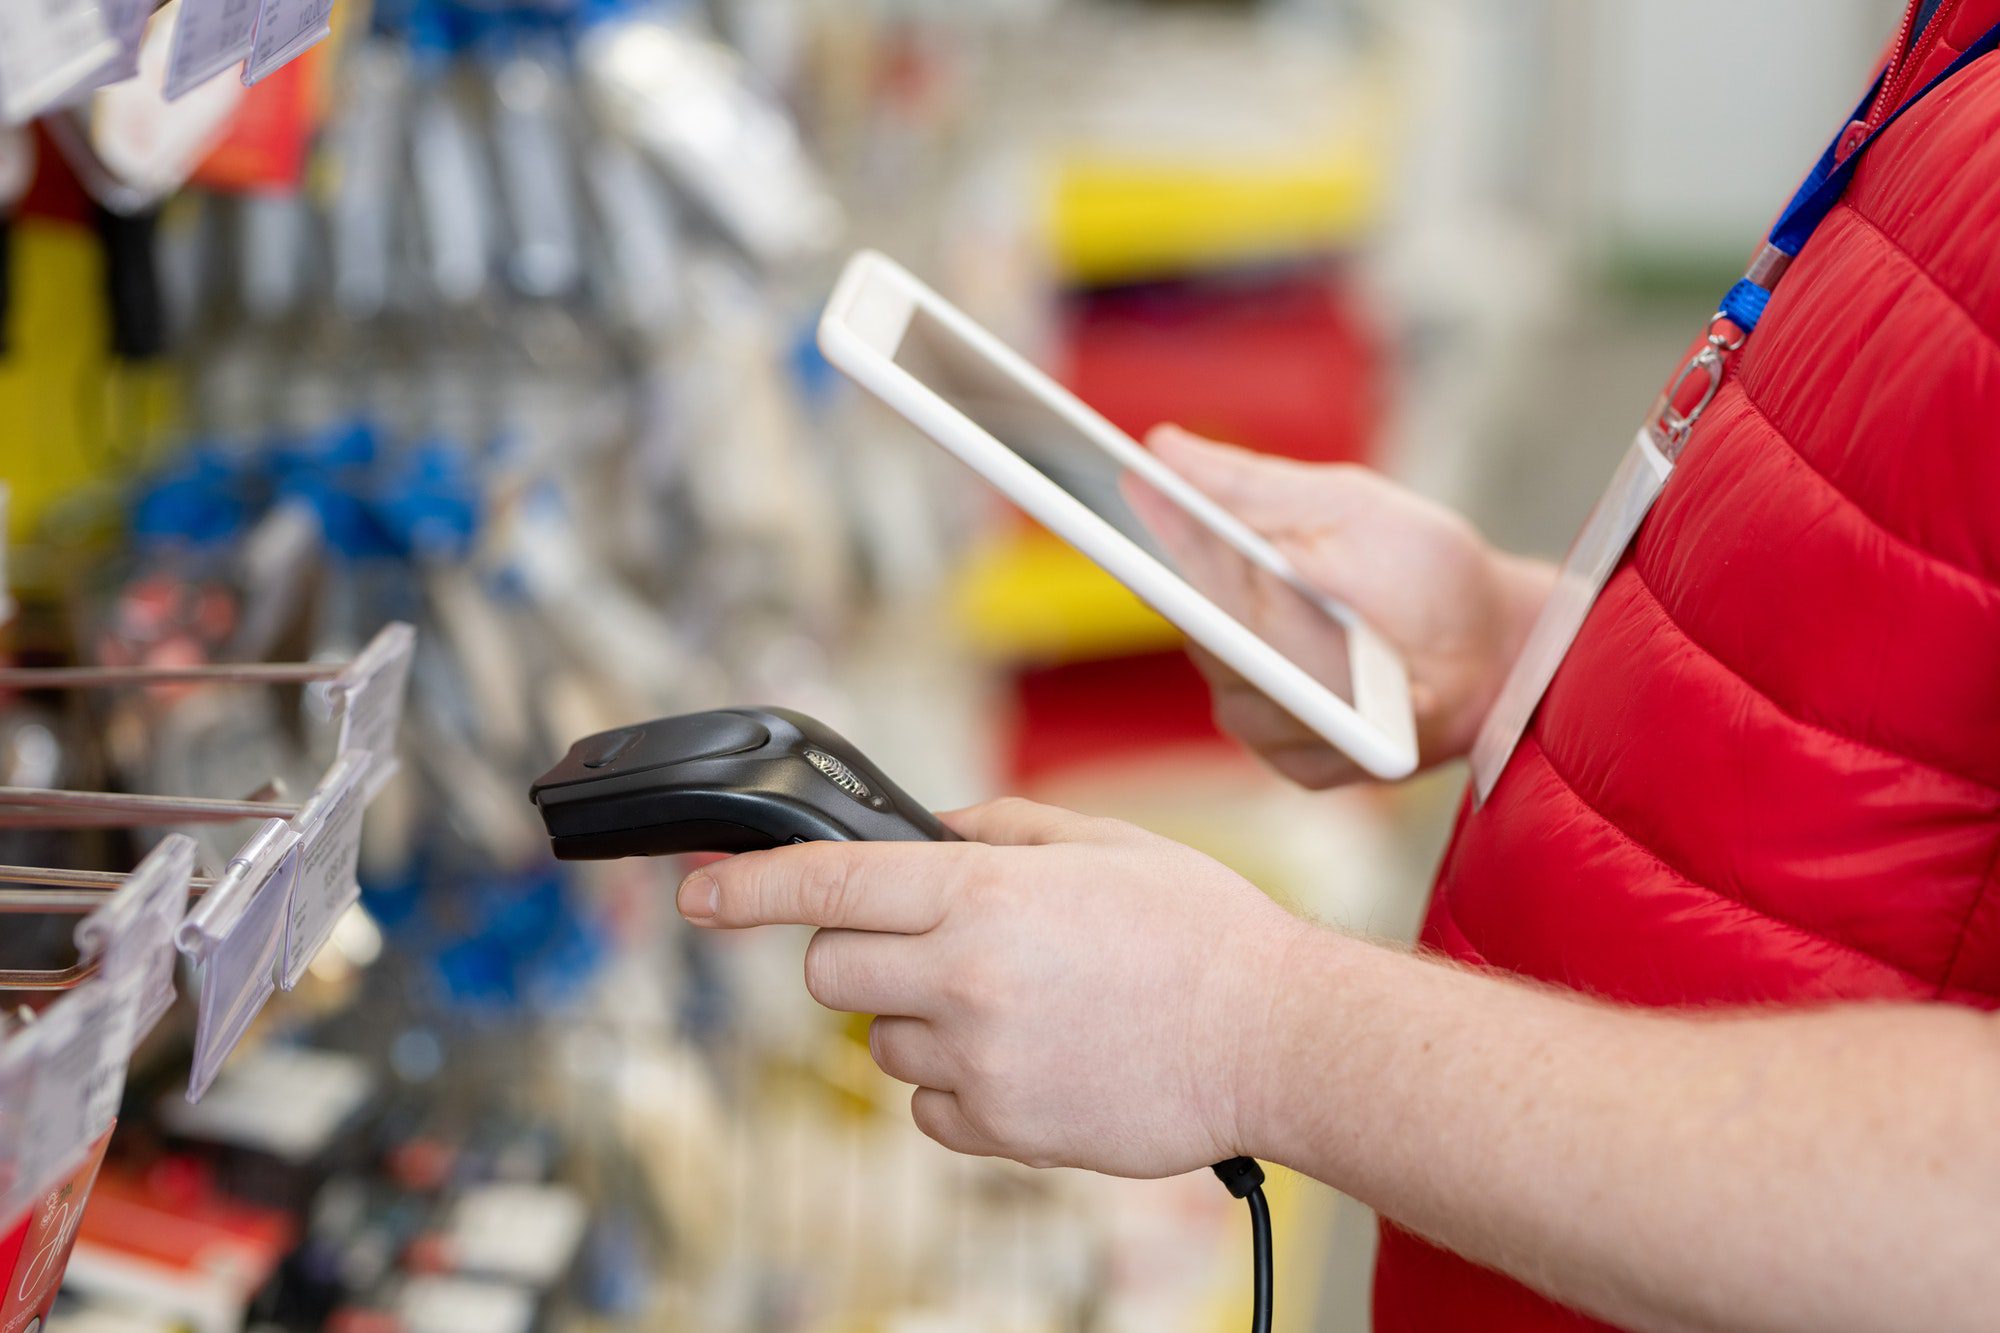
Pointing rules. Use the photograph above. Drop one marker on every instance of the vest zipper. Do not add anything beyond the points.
(1912, 52)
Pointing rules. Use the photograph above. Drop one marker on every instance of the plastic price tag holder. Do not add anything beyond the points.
(329, 830)
(75, 1054)
(286, 29)
(47, 49)
(233, 938)
(127, 21)
(131, 935)
(1642, 474)
(211, 36)
(16, 1073)
(368, 697)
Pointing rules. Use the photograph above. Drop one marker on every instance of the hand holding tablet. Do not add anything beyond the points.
(1222, 583)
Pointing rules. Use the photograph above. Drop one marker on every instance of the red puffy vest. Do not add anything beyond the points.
(1769, 769)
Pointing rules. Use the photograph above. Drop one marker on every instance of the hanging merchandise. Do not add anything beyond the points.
(56, 52)
(490, 418)
(131, 144)
(63, 1067)
(46, 50)
(687, 100)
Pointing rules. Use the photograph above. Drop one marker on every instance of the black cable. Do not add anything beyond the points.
(1245, 1180)
(1260, 1258)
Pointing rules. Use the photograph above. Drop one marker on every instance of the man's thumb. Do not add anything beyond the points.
(1261, 490)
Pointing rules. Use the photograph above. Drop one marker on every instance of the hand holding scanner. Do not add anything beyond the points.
(735, 780)
(745, 779)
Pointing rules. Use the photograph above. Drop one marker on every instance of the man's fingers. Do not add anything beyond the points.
(865, 972)
(909, 1051)
(1265, 492)
(939, 1115)
(1253, 719)
(897, 887)
(1013, 822)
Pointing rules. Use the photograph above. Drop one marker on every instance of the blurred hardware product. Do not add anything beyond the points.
(170, 1245)
(46, 50)
(487, 328)
(131, 145)
(686, 99)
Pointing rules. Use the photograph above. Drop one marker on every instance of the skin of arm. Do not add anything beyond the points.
(1068, 991)
(1828, 1170)
(1078, 992)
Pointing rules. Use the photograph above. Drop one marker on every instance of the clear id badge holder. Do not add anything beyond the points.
(1651, 459)
(1642, 474)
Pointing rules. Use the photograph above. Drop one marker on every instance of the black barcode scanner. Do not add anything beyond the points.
(745, 779)
(737, 780)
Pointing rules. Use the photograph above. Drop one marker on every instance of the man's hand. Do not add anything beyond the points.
(1456, 609)
(1063, 991)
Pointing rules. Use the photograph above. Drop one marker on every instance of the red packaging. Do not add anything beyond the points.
(36, 1250)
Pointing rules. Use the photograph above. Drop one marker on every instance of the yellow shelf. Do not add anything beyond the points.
(1028, 596)
(1123, 217)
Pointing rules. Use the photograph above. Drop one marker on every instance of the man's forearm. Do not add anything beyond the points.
(1838, 1169)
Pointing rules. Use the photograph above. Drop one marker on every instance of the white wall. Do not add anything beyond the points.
(1701, 114)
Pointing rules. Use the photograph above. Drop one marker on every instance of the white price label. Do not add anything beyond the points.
(286, 29)
(369, 697)
(47, 49)
(127, 21)
(78, 1052)
(16, 1084)
(131, 935)
(233, 937)
(329, 830)
(211, 36)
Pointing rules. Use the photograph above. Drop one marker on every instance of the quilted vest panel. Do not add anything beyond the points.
(1769, 769)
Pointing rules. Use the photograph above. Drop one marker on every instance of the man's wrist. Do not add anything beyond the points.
(1291, 1038)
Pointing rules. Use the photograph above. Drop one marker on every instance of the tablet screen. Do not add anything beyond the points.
(1296, 626)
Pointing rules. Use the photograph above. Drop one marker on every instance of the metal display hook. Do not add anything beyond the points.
(56, 808)
(61, 892)
(255, 926)
(213, 673)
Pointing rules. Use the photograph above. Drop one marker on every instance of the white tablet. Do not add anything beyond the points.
(1089, 483)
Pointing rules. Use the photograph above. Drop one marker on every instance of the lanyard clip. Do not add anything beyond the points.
(1671, 424)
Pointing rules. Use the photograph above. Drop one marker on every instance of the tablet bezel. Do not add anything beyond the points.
(860, 334)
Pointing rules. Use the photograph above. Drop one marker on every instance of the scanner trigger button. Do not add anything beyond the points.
(611, 746)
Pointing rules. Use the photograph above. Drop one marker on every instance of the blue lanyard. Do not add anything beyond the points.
(1823, 189)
